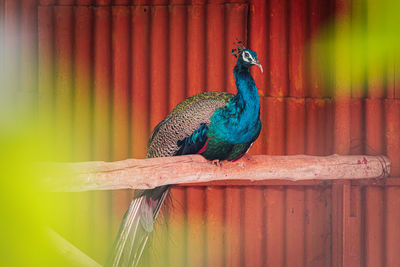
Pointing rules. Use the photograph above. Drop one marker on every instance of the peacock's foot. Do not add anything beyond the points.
(216, 162)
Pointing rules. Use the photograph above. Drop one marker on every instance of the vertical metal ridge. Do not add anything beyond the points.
(235, 29)
(64, 79)
(374, 127)
(233, 211)
(295, 116)
(275, 126)
(102, 84)
(196, 47)
(215, 48)
(214, 247)
(295, 226)
(195, 226)
(46, 66)
(375, 72)
(278, 48)
(120, 54)
(357, 126)
(28, 56)
(258, 33)
(140, 81)
(392, 128)
(177, 57)
(81, 116)
(297, 33)
(392, 231)
(315, 118)
(253, 199)
(158, 64)
(12, 47)
(374, 226)
(275, 221)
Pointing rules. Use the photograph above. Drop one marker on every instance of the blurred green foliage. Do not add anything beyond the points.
(362, 42)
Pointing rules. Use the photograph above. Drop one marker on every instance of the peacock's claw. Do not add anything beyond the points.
(216, 162)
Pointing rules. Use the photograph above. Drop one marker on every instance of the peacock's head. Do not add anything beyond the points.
(246, 57)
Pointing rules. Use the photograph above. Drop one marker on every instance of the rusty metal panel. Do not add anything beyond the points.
(108, 71)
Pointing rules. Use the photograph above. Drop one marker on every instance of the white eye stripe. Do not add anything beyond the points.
(247, 57)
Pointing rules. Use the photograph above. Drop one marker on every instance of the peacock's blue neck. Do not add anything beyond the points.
(238, 122)
(246, 89)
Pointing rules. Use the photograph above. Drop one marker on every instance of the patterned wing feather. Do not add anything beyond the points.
(183, 121)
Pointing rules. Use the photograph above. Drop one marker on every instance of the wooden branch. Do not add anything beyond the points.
(150, 173)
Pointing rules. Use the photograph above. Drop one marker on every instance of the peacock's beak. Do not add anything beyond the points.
(258, 65)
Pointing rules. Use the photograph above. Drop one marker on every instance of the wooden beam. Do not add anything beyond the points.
(150, 173)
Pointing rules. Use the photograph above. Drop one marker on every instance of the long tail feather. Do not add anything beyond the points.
(135, 230)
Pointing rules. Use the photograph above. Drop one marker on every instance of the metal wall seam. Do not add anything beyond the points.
(177, 53)
(274, 123)
(140, 80)
(392, 230)
(329, 126)
(252, 245)
(341, 81)
(297, 48)
(375, 72)
(28, 56)
(374, 226)
(158, 65)
(317, 200)
(275, 226)
(83, 2)
(46, 66)
(120, 2)
(235, 29)
(216, 197)
(353, 225)
(317, 13)
(177, 228)
(258, 30)
(103, 2)
(358, 70)
(234, 232)
(11, 50)
(120, 105)
(295, 117)
(195, 50)
(278, 45)
(214, 213)
(295, 226)
(64, 17)
(195, 236)
(65, 2)
(82, 84)
(215, 48)
(83, 48)
(318, 207)
(101, 99)
(374, 127)
(392, 129)
(294, 197)
(102, 84)
(357, 129)
(315, 119)
(391, 78)
(47, 2)
(195, 223)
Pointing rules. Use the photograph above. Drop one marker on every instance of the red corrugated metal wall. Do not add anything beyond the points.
(109, 71)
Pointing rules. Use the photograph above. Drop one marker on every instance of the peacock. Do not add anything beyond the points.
(217, 125)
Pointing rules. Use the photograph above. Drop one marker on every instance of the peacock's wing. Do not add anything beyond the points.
(184, 120)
